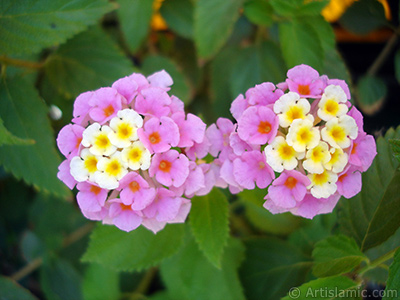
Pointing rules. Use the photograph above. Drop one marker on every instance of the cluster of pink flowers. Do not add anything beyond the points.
(304, 130)
(134, 154)
(136, 157)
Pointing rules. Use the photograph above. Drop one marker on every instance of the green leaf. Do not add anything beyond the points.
(259, 12)
(213, 24)
(373, 215)
(134, 17)
(336, 255)
(363, 17)
(189, 275)
(371, 92)
(271, 268)
(86, 62)
(300, 44)
(393, 283)
(135, 250)
(7, 138)
(255, 65)
(100, 283)
(281, 224)
(31, 246)
(25, 115)
(60, 281)
(337, 287)
(318, 228)
(53, 219)
(395, 148)
(210, 225)
(180, 88)
(380, 274)
(179, 16)
(335, 67)
(28, 27)
(10, 290)
(298, 8)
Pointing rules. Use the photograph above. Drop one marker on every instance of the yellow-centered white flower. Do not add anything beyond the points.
(290, 107)
(280, 156)
(95, 137)
(338, 131)
(111, 170)
(338, 160)
(302, 135)
(322, 185)
(137, 156)
(316, 158)
(125, 127)
(332, 103)
(84, 167)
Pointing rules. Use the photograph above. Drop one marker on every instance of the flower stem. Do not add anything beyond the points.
(36, 263)
(380, 260)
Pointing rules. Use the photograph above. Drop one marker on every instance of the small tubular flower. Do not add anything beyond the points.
(303, 135)
(96, 137)
(323, 185)
(280, 156)
(332, 103)
(258, 125)
(339, 132)
(316, 158)
(290, 107)
(125, 127)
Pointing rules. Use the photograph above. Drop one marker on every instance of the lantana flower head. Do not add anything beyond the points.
(313, 139)
(126, 154)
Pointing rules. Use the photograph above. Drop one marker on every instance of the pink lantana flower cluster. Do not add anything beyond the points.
(133, 154)
(301, 139)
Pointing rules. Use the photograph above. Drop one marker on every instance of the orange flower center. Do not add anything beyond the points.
(290, 182)
(340, 179)
(165, 166)
(95, 189)
(125, 207)
(134, 186)
(264, 127)
(78, 142)
(354, 149)
(304, 89)
(154, 138)
(109, 110)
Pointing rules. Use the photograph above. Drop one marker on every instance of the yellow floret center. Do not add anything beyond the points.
(91, 164)
(102, 141)
(320, 179)
(331, 107)
(304, 136)
(113, 168)
(294, 113)
(135, 154)
(317, 154)
(337, 133)
(334, 157)
(286, 152)
(124, 130)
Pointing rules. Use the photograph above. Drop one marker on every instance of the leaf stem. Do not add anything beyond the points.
(380, 260)
(146, 281)
(36, 263)
(374, 68)
(21, 63)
